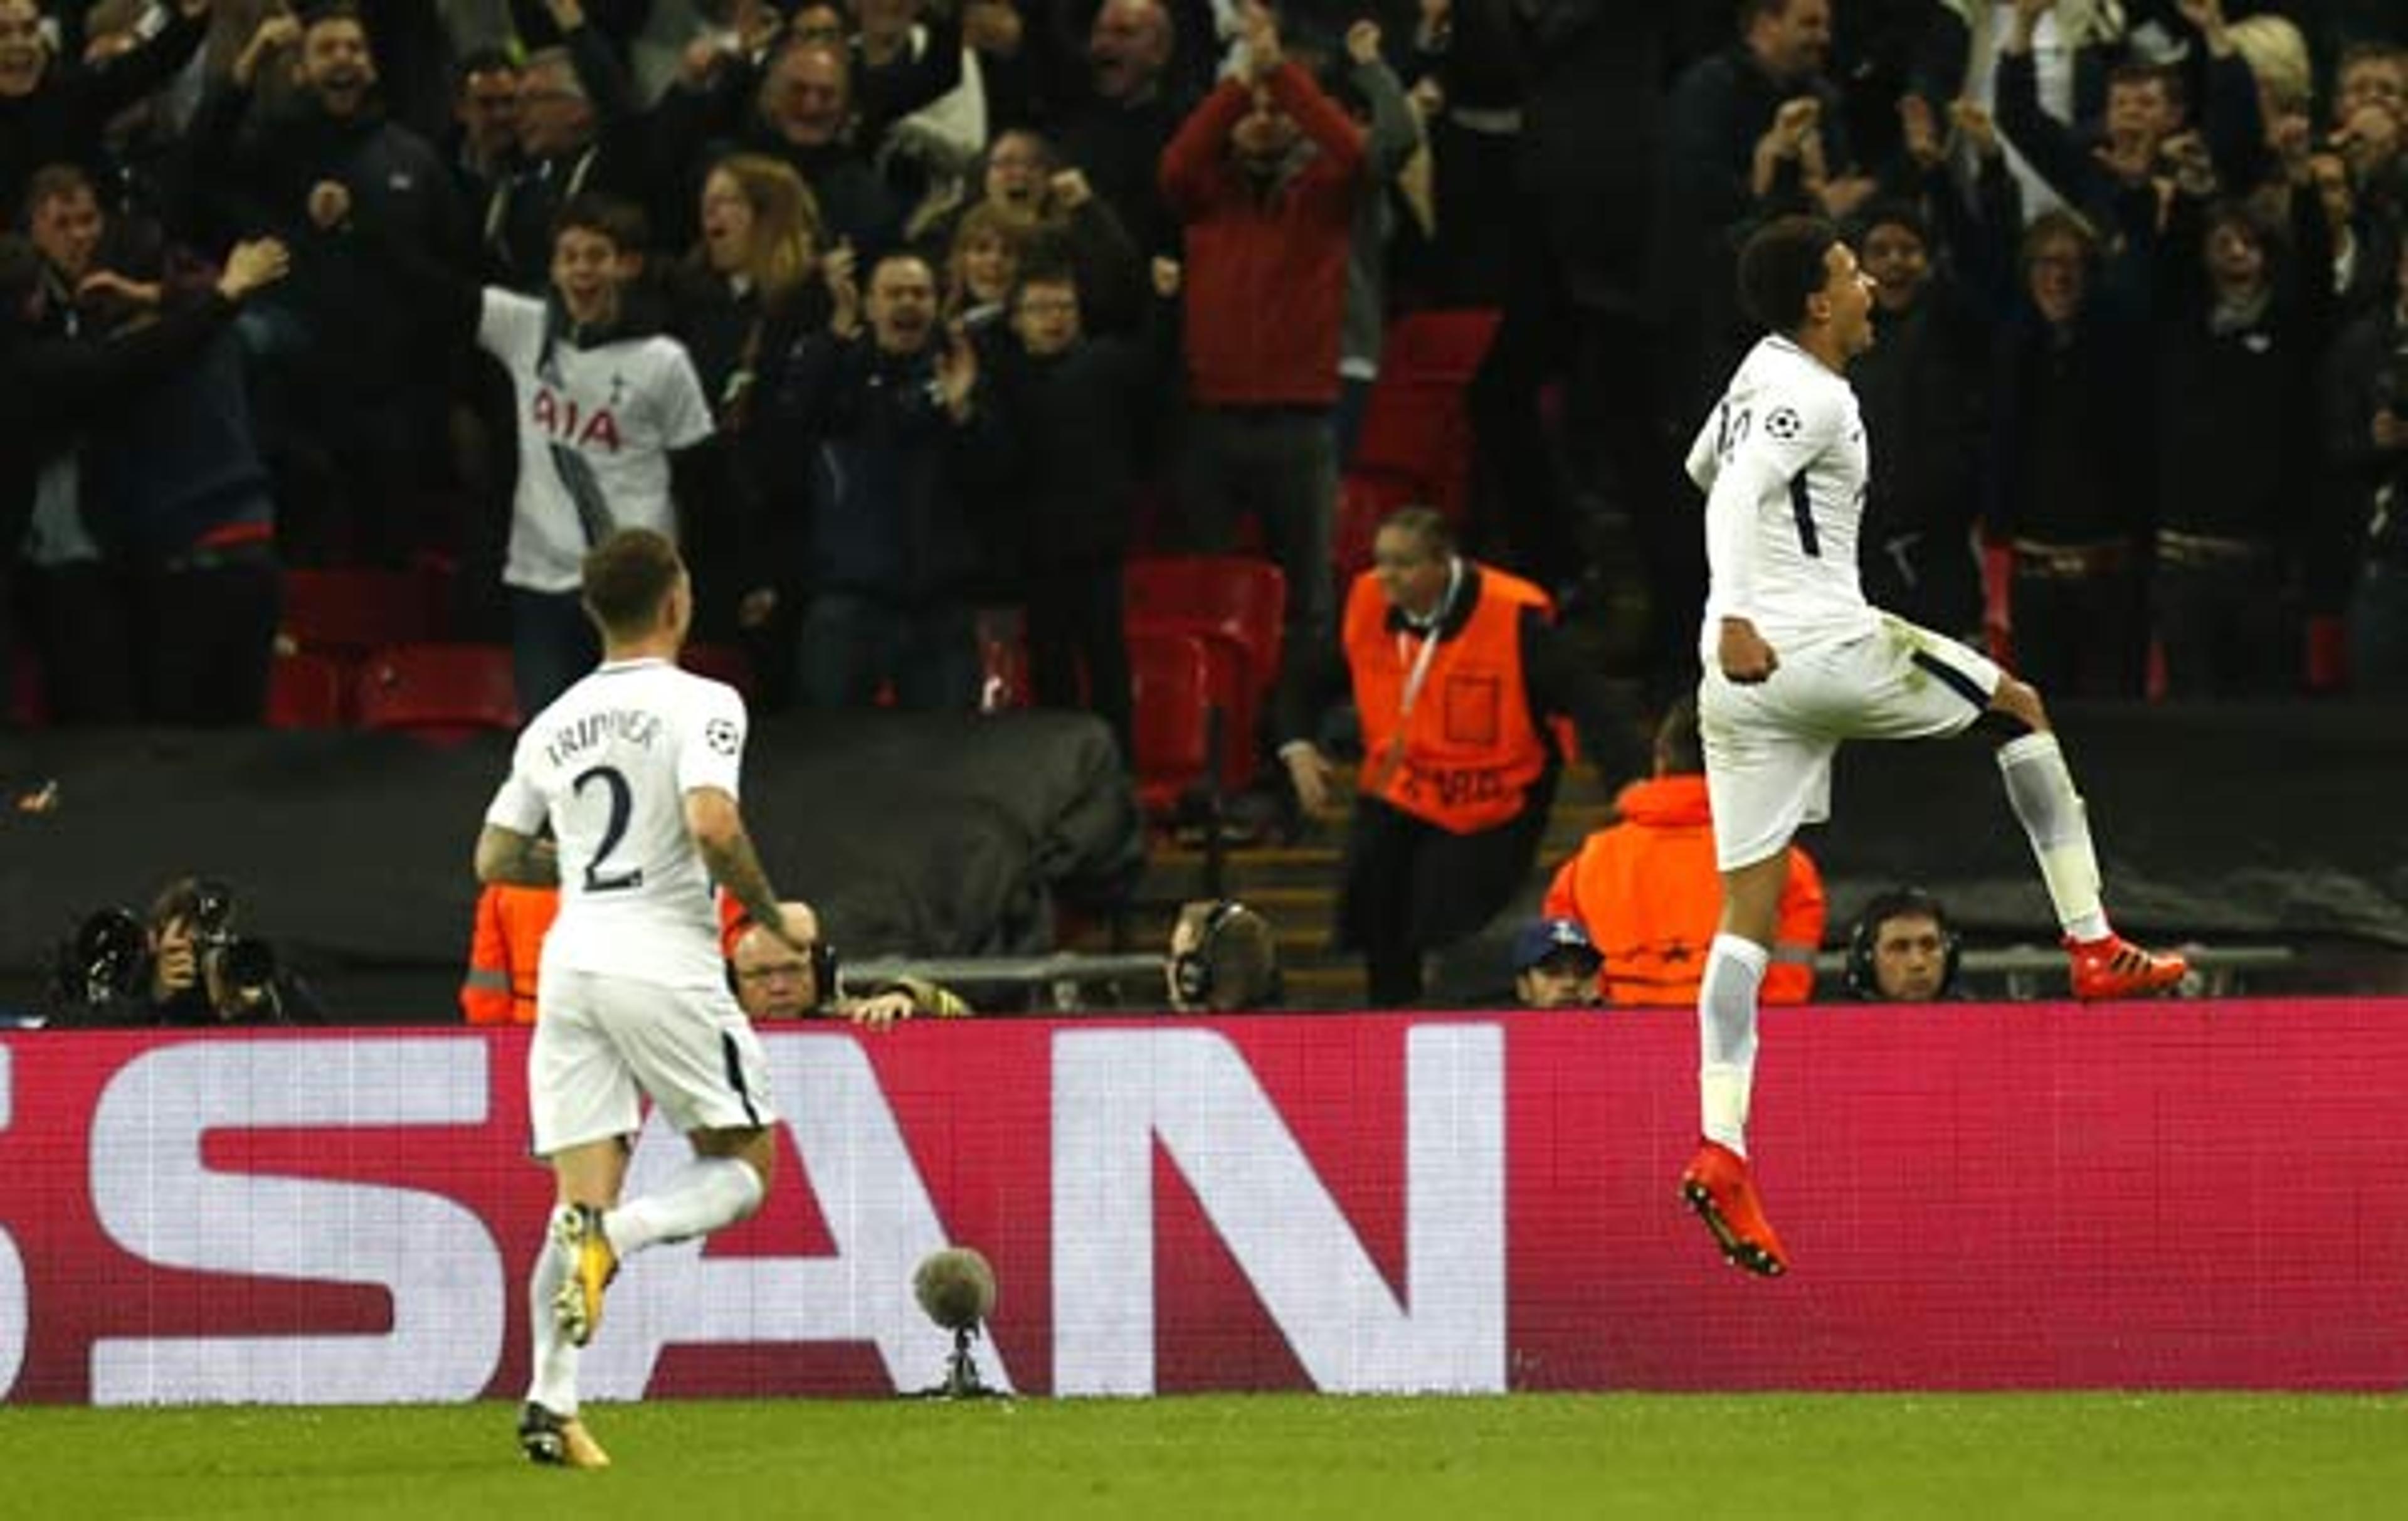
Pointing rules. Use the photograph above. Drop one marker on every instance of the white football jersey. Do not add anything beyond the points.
(610, 764)
(613, 412)
(1784, 466)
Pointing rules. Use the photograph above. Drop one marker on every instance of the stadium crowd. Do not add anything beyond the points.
(903, 313)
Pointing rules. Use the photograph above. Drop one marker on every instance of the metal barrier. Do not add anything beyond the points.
(1060, 976)
(2028, 972)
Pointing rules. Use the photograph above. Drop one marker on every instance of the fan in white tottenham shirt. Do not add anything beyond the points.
(1783, 464)
(610, 761)
(617, 409)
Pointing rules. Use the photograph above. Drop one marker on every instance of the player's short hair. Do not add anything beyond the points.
(1782, 266)
(625, 577)
(1426, 525)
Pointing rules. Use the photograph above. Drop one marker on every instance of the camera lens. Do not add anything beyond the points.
(247, 964)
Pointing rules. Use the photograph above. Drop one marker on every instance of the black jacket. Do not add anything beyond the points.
(365, 342)
(1076, 425)
(63, 121)
(888, 481)
(53, 388)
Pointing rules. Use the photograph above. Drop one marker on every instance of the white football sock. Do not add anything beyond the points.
(2041, 791)
(1727, 1038)
(708, 1193)
(553, 1382)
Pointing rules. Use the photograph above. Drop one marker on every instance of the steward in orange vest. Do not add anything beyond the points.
(1456, 671)
(1446, 737)
(504, 951)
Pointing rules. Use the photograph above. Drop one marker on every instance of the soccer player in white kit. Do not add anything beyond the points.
(636, 769)
(1797, 661)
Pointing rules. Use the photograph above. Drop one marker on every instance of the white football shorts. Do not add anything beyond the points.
(1769, 746)
(600, 1039)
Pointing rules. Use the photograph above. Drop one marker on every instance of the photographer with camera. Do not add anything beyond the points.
(184, 965)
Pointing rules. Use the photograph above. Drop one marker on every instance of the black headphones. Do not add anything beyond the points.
(824, 971)
(1897, 903)
(1191, 971)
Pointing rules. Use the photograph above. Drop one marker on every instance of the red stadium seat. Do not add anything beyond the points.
(305, 690)
(438, 691)
(1364, 502)
(1169, 685)
(1416, 436)
(354, 611)
(1238, 605)
(22, 693)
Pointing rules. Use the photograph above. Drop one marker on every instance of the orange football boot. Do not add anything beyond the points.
(1716, 1184)
(2114, 968)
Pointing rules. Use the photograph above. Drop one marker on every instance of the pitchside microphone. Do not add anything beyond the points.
(955, 1288)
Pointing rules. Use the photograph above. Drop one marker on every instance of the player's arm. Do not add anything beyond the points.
(1763, 451)
(506, 855)
(510, 847)
(710, 759)
(1732, 510)
(717, 825)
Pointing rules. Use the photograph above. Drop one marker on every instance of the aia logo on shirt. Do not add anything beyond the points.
(567, 422)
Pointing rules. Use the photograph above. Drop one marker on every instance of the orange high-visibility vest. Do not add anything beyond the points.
(503, 953)
(1466, 756)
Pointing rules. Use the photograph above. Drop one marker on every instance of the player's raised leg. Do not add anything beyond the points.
(726, 1182)
(2040, 789)
(1716, 1184)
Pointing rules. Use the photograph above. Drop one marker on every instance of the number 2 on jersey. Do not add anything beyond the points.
(623, 805)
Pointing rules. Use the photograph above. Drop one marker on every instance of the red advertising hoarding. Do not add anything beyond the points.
(2011, 1196)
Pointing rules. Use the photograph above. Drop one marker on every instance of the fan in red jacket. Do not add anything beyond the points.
(1264, 177)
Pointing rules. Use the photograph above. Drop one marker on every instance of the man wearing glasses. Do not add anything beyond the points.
(775, 981)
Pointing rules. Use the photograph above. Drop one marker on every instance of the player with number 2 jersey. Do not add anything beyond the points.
(635, 771)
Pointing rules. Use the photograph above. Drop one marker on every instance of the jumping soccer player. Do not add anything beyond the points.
(636, 768)
(1797, 661)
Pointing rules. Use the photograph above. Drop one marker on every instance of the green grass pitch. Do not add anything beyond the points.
(2087, 1456)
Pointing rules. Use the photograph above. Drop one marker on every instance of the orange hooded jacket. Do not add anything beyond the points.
(1648, 892)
